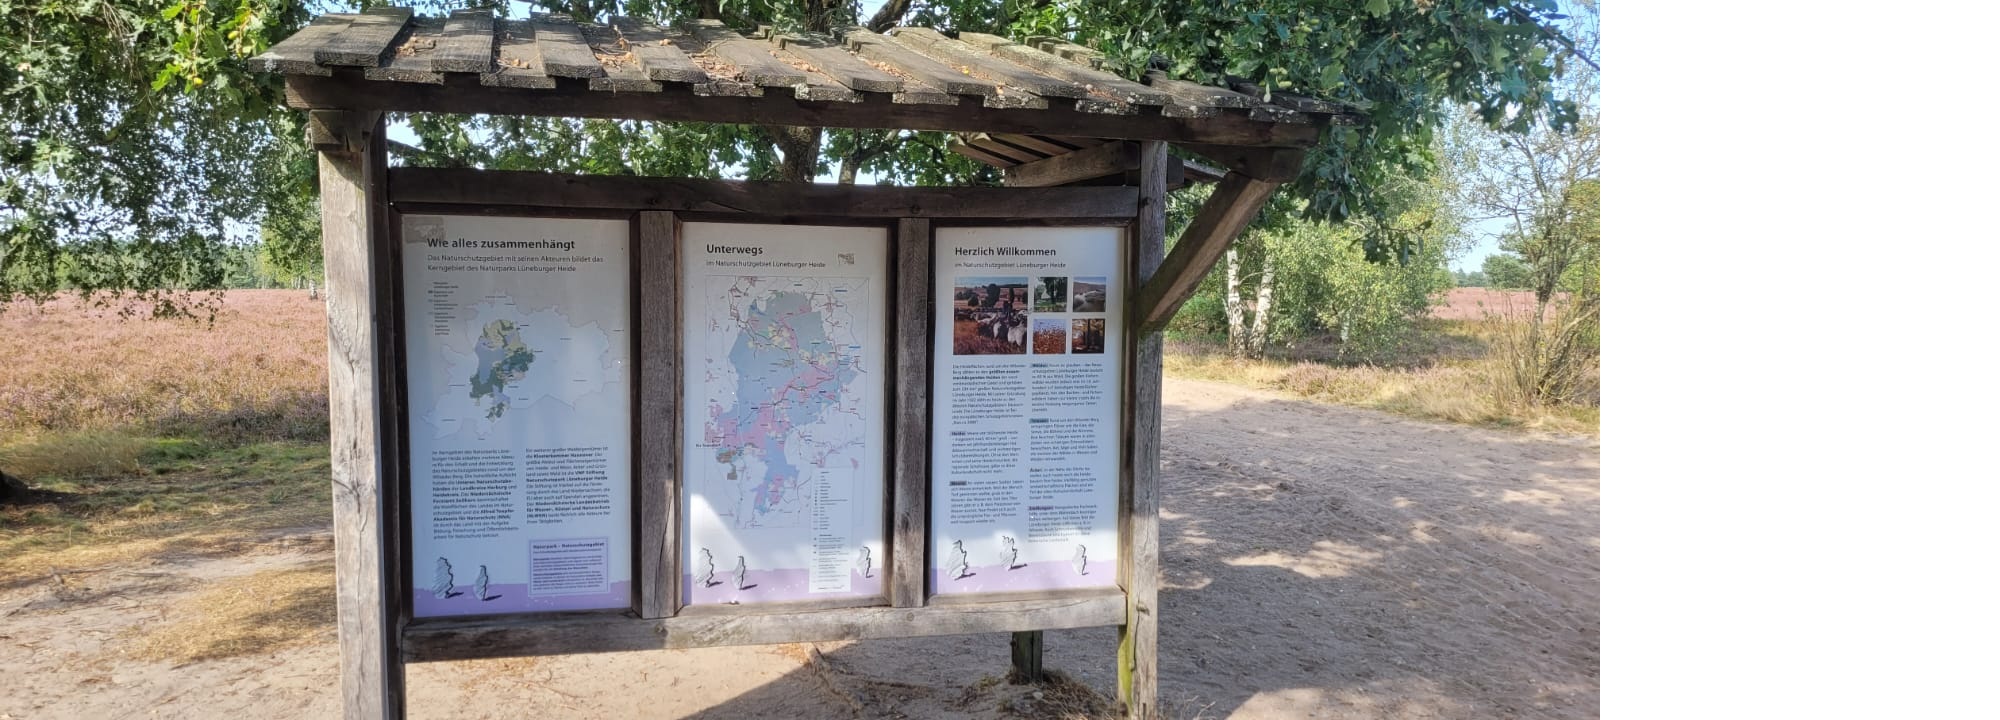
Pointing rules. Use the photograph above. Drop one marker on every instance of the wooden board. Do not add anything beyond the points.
(1095, 81)
(659, 414)
(1014, 87)
(879, 49)
(529, 635)
(909, 525)
(1233, 205)
(367, 578)
(828, 57)
(1093, 162)
(467, 45)
(774, 199)
(1139, 563)
(365, 38)
(753, 58)
(520, 61)
(296, 54)
(661, 58)
(410, 61)
(624, 69)
(563, 51)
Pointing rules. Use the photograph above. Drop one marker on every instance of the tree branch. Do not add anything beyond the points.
(1551, 34)
(890, 15)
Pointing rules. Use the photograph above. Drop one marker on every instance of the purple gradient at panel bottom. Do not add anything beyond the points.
(515, 599)
(1051, 575)
(761, 586)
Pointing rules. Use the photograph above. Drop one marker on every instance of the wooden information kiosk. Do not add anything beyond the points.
(578, 414)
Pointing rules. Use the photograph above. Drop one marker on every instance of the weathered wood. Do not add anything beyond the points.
(624, 71)
(1276, 164)
(1046, 146)
(1230, 209)
(353, 223)
(659, 414)
(564, 53)
(959, 145)
(777, 199)
(1014, 86)
(994, 146)
(1199, 94)
(876, 48)
(826, 55)
(410, 60)
(1027, 651)
(1139, 562)
(467, 45)
(782, 606)
(365, 38)
(1093, 162)
(909, 508)
(1067, 50)
(1119, 88)
(295, 55)
(752, 57)
(520, 63)
(1291, 101)
(517, 636)
(679, 103)
(661, 58)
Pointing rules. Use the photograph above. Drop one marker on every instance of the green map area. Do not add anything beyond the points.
(503, 360)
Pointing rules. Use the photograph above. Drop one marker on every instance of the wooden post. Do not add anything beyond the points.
(911, 480)
(1139, 563)
(659, 440)
(1027, 646)
(354, 220)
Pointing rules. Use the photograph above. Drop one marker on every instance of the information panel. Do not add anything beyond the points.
(1025, 395)
(786, 354)
(518, 346)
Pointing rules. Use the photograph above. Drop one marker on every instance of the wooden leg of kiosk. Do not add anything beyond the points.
(354, 219)
(1027, 647)
(1139, 564)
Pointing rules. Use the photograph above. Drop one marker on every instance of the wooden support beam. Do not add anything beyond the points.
(910, 528)
(362, 415)
(1234, 204)
(1027, 651)
(1111, 158)
(659, 426)
(1139, 562)
(1262, 163)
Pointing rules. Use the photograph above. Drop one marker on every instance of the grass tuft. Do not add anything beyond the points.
(254, 614)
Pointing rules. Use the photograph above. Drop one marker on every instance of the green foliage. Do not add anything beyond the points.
(1469, 279)
(1505, 271)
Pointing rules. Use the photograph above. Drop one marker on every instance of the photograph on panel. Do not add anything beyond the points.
(990, 315)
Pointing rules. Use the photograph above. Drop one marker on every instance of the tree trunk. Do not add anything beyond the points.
(1260, 328)
(800, 148)
(1232, 304)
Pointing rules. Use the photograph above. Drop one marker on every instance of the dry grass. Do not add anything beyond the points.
(258, 613)
(1452, 376)
(148, 437)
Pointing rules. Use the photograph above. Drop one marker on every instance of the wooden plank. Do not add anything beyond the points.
(661, 58)
(1094, 162)
(1048, 147)
(779, 199)
(959, 145)
(520, 63)
(366, 582)
(1230, 209)
(1139, 561)
(624, 71)
(879, 49)
(993, 146)
(758, 66)
(1096, 81)
(1067, 50)
(365, 38)
(564, 53)
(659, 416)
(519, 636)
(785, 606)
(1292, 101)
(680, 103)
(295, 55)
(827, 56)
(467, 45)
(1199, 94)
(1027, 651)
(409, 58)
(909, 528)
(1014, 86)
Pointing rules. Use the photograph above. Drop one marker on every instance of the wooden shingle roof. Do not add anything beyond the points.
(911, 78)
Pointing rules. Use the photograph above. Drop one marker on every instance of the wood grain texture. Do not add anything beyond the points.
(520, 62)
(970, 59)
(826, 55)
(467, 44)
(877, 111)
(564, 53)
(1233, 205)
(661, 58)
(624, 69)
(366, 580)
(518, 636)
(1262, 163)
(910, 509)
(753, 58)
(1139, 563)
(659, 414)
(958, 144)
(1089, 163)
(877, 48)
(410, 60)
(777, 199)
(295, 55)
(365, 38)
(1093, 80)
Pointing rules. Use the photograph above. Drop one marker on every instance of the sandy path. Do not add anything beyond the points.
(1321, 562)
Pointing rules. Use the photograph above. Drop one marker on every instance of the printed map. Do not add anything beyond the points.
(782, 363)
(512, 360)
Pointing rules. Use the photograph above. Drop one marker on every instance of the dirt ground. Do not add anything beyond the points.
(1321, 562)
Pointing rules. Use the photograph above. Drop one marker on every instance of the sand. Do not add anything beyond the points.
(1321, 562)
